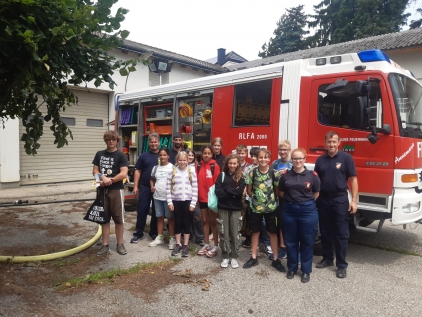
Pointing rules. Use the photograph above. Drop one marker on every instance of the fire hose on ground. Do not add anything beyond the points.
(51, 256)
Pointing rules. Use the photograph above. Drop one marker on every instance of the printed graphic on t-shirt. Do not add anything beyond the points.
(208, 174)
(106, 165)
(263, 198)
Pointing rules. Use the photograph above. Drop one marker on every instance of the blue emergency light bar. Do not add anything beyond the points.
(373, 56)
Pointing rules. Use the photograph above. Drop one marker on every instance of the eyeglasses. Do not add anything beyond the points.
(298, 159)
(284, 150)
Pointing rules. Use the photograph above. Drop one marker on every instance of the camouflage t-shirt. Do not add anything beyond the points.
(263, 199)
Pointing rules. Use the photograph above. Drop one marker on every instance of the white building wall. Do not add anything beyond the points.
(410, 60)
(179, 73)
(10, 137)
(9, 154)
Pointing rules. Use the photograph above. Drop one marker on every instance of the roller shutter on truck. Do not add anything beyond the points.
(73, 162)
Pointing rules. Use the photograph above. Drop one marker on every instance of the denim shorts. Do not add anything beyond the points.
(162, 209)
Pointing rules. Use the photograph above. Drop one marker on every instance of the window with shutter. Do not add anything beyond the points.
(154, 79)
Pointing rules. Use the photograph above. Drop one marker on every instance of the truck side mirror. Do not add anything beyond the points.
(386, 129)
(372, 138)
(362, 108)
(363, 88)
(338, 84)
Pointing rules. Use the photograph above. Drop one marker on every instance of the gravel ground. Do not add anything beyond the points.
(379, 282)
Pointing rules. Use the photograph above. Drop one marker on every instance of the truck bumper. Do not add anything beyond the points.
(406, 206)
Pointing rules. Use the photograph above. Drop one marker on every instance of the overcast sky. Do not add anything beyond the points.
(197, 28)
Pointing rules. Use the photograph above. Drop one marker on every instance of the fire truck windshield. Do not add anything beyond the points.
(408, 98)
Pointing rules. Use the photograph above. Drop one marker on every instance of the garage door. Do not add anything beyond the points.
(73, 162)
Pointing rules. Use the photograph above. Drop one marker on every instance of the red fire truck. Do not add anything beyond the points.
(370, 101)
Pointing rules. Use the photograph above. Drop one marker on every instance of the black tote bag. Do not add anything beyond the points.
(96, 213)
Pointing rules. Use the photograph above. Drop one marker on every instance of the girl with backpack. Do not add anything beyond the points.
(196, 226)
(207, 171)
(229, 189)
(158, 188)
(182, 195)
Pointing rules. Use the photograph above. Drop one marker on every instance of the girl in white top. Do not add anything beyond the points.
(182, 195)
(158, 187)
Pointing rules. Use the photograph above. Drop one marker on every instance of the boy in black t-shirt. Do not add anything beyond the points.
(112, 164)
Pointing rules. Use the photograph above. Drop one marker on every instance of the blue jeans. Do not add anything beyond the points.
(300, 225)
(144, 201)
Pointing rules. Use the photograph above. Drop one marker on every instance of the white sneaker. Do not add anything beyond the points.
(269, 250)
(172, 243)
(225, 263)
(234, 263)
(158, 240)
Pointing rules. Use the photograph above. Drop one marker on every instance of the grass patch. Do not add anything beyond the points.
(388, 249)
(108, 276)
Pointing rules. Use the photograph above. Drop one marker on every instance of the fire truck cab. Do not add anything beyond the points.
(371, 102)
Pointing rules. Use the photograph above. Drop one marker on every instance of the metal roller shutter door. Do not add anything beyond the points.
(74, 161)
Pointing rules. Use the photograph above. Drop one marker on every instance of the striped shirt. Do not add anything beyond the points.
(182, 188)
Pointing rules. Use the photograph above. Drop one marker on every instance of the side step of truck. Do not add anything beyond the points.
(357, 220)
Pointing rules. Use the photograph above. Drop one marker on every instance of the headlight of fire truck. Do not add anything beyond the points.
(410, 208)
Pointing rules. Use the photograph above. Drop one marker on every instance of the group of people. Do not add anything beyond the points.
(281, 204)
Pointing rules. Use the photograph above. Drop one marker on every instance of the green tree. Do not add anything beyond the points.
(338, 21)
(289, 35)
(415, 24)
(47, 46)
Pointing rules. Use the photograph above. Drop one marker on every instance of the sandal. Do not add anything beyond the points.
(204, 249)
(212, 253)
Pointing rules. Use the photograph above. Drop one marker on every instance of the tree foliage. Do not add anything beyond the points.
(415, 24)
(338, 21)
(289, 34)
(47, 46)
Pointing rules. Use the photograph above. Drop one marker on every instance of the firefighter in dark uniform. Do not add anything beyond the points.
(334, 169)
(299, 188)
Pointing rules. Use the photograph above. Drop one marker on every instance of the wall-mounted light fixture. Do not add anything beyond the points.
(160, 67)
(152, 67)
(194, 93)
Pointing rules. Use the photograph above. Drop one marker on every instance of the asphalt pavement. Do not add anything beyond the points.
(383, 278)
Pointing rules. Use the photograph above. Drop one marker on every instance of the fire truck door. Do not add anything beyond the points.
(337, 110)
